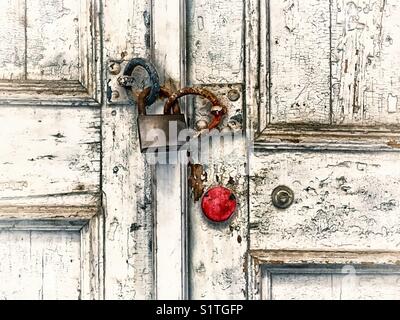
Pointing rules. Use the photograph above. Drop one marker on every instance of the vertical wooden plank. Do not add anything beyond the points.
(127, 193)
(218, 252)
(365, 47)
(12, 49)
(300, 61)
(52, 42)
(50, 156)
(170, 267)
(256, 100)
(169, 48)
(215, 34)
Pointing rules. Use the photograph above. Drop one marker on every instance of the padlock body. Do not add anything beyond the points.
(161, 132)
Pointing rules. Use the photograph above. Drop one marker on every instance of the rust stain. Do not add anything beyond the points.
(291, 140)
(196, 180)
(245, 263)
(80, 187)
(394, 144)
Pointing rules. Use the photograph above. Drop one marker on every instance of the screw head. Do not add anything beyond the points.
(233, 95)
(114, 67)
(115, 95)
(282, 197)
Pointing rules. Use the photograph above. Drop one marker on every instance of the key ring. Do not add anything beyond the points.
(218, 111)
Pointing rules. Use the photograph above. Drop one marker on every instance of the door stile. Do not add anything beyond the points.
(170, 228)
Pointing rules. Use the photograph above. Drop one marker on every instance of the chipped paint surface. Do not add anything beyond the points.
(300, 56)
(215, 57)
(365, 38)
(342, 201)
(220, 273)
(332, 62)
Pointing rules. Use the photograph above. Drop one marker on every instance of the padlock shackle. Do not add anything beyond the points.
(153, 75)
(164, 93)
(217, 115)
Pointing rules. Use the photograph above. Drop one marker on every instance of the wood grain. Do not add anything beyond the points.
(127, 195)
(40, 265)
(12, 38)
(300, 61)
(343, 201)
(215, 56)
(49, 156)
(365, 44)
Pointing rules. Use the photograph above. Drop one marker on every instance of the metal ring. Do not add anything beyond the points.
(217, 116)
(153, 75)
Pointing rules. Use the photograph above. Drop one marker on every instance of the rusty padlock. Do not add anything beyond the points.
(160, 132)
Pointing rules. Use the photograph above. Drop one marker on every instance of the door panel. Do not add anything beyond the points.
(49, 156)
(52, 52)
(365, 81)
(217, 252)
(40, 265)
(334, 50)
(330, 283)
(342, 201)
(299, 61)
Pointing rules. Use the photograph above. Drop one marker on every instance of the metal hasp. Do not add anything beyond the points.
(127, 80)
(282, 197)
(219, 204)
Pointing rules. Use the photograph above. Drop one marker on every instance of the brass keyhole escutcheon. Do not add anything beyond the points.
(282, 197)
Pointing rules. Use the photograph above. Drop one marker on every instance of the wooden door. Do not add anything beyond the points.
(329, 130)
(318, 99)
(312, 95)
(81, 213)
(50, 119)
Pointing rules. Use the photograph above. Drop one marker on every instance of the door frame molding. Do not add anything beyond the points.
(283, 261)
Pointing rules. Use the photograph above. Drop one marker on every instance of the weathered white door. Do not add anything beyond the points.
(50, 120)
(321, 109)
(329, 130)
(314, 87)
(78, 201)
